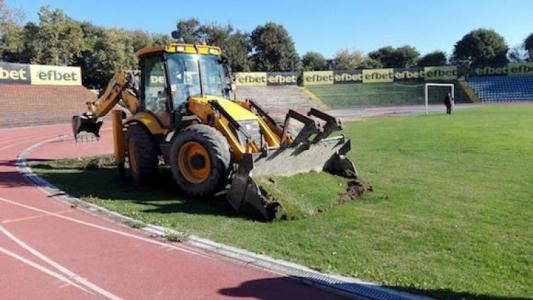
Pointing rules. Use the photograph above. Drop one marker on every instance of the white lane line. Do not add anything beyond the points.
(28, 139)
(43, 269)
(60, 268)
(19, 143)
(18, 138)
(125, 234)
(7, 221)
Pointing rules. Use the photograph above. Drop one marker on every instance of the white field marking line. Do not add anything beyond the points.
(125, 234)
(42, 269)
(75, 277)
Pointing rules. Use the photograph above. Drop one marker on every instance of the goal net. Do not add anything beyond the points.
(437, 91)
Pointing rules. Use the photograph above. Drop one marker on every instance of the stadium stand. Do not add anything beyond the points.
(27, 105)
(277, 99)
(494, 89)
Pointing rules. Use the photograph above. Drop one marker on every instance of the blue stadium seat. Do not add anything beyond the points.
(496, 89)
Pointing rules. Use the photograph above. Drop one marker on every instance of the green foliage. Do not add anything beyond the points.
(346, 60)
(389, 57)
(528, 45)
(10, 32)
(273, 49)
(370, 63)
(481, 47)
(59, 40)
(314, 61)
(235, 44)
(384, 56)
(518, 54)
(187, 31)
(436, 58)
(405, 57)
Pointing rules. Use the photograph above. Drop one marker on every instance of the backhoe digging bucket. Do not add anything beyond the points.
(86, 129)
(326, 154)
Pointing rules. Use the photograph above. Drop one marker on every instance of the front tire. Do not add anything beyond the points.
(200, 160)
(142, 154)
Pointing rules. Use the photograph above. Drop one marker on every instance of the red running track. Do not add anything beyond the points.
(49, 250)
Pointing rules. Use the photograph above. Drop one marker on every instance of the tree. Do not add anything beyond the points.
(481, 47)
(235, 45)
(389, 57)
(346, 60)
(370, 63)
(113, 50)
(385, 56)
(140, 39)
(59, 40)
(10, 32)
(187, 31)
(273, 48)
(404, 57)
(314, 61)
(435, 58)
(517, 54)
(528, 45)
(10, 15)
(161, 39)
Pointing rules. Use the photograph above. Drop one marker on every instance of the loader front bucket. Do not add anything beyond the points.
(86, 129)
(327, 155)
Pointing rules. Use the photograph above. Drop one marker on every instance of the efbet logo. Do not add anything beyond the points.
(265, 78)
(55, 75)
(251, 79)
(520, 68)
(14, 73)
(282, 78)
(440, 73)
(350, 76)
(378, 75)
(318, 77)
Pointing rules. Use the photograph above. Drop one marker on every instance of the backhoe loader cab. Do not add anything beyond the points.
(183, 114)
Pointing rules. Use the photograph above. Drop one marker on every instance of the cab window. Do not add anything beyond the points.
(155, 95)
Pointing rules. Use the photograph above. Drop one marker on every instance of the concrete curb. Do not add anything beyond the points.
(344, 286)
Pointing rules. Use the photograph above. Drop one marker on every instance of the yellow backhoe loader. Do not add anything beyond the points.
(182, 112)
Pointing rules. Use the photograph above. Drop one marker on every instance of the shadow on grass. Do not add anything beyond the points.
(286, 288)
(163, 197)
(450, 294)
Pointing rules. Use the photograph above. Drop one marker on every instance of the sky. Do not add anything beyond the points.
(323, 26)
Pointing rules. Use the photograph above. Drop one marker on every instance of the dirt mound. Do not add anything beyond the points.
(354, 190)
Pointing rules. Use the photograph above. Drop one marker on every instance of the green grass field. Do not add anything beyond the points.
(450, 215)
(379, 94)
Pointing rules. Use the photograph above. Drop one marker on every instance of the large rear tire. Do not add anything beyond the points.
(142, 154)
(200, 160)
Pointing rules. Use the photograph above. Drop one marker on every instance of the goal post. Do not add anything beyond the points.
(426, 92)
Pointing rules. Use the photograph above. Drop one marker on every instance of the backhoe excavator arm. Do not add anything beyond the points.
(120, 87)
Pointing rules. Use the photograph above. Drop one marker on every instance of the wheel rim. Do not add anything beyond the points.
(193, 162)
(132, 155)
